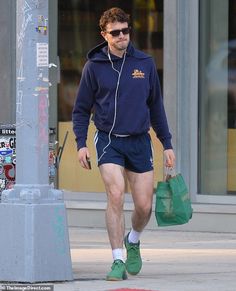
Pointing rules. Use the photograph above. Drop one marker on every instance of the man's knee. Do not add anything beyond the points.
(144, 210)
(116, 198)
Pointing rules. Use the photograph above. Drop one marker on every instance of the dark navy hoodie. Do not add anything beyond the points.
(139, 99)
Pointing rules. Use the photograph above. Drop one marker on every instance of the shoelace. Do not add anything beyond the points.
(135, 250)
(116, 263)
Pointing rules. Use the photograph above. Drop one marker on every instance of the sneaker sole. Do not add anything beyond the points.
(116, 279)
(133, 274)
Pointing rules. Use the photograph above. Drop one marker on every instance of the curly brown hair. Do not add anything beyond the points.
(114, 14)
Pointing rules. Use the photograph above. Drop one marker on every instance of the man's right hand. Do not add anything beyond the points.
(84, 158)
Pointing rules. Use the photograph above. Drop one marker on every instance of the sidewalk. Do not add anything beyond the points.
(172, 261)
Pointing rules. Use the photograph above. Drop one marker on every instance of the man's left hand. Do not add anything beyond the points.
(169, 158)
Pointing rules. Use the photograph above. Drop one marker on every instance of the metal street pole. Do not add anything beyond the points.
(34, 244)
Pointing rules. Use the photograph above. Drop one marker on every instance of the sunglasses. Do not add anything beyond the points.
(117, 32)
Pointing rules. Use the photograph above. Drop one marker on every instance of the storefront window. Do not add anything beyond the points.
(79, 32)
(217, 97)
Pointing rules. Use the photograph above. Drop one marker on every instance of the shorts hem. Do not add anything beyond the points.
(109, 162)
(139, 171)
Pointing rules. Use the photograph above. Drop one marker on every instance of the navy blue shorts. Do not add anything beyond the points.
(134, 153)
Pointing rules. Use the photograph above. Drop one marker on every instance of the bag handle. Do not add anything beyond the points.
(169, 173)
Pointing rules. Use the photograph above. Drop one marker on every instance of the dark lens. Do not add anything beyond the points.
(125, 30)
(118, 31)
(115, 32)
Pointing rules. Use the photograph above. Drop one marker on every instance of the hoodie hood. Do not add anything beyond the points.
(99, 53)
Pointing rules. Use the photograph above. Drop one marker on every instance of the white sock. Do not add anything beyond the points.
(117, 254)
(134, 236)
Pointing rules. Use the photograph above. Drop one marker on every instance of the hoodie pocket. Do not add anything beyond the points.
(106, 116)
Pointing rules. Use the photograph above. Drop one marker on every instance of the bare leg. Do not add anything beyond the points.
(113, 177)
(141, 185)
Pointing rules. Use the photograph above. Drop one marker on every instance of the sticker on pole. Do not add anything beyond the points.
(42, 55)
(7, 157)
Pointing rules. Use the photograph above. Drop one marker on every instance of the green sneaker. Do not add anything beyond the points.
(118, 272)
(133, 262)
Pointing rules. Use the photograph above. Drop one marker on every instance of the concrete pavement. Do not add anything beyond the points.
(172, 261)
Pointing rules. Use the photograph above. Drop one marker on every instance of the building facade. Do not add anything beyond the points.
(194, 45)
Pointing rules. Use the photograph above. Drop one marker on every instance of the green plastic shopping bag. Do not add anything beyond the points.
(173, 205)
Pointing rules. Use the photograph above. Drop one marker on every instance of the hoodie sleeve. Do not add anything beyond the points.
(157, 111)
(82, 107)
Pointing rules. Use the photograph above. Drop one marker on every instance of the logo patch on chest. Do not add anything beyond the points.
(138, 74)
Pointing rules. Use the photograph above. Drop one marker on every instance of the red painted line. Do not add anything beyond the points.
(125, 289)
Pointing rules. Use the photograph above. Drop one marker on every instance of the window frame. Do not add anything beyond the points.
(181, 61)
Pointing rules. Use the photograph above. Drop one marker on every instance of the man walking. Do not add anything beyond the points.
(121, 85)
